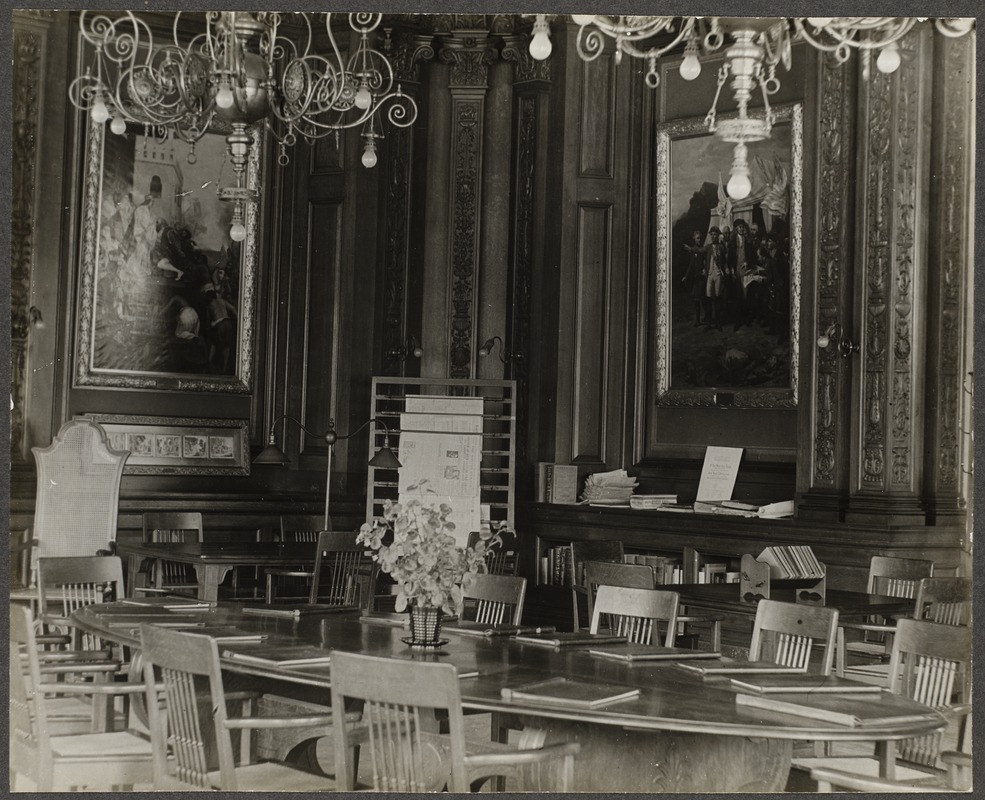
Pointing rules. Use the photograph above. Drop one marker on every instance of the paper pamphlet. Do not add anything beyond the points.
(718, 474)
(441, 443)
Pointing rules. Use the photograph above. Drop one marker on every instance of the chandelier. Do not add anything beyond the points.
(756, 45)
(243, 68)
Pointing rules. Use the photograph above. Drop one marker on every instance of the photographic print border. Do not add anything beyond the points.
(178, 445)
(741, 397)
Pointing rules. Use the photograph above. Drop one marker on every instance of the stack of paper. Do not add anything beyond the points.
(651, 500)
(609, 488)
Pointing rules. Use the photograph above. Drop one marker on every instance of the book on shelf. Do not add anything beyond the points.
(650, 652)
(708, 507)
(787, 562)
(739, 668)
(852, 711)
(542, 481)
(568, 692)
(556, 566)
(718, 474)
(485, 629)
(284, 657)
(561, 483)
(567, 638)
(803, 683)
(677, 508)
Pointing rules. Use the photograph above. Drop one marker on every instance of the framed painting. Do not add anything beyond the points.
(166, 297)
(178, 445)
(727, 277)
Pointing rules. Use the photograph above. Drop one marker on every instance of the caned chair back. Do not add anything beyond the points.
(78, 492)
(929, 663)
(174, 527)
(944, 600)
(637, 613)
(493, 599)
(342, 569)
(605, 573)
(785, 633)
(69, 583)
(193, 719)
(897, 577)
(302, 527)
(399, 697)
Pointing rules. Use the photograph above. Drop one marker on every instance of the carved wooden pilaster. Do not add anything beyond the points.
(949, 262)
(469, 55)
(831, 411)
(28, 62)
(406, 55)
(892, 230)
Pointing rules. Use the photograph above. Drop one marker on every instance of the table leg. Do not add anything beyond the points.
(209, 576)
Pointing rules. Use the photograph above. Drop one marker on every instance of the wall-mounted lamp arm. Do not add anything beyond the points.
(504, 356)
(845, 346)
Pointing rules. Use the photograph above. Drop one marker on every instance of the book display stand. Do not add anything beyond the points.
(790, 569)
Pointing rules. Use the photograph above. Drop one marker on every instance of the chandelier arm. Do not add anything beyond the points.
(627, 46)
(710, 117)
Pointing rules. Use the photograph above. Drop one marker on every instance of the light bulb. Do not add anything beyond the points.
(237, 232)
(889, 59)
(224, 97)
(820, 22)
(99, 111)
(739, 184)
(583, 19)
(369, 156)
(363, 98)
(540, 46)
(690, 67)
(118, 125)
(823, 341)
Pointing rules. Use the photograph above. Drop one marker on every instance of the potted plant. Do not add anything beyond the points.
(414, 543)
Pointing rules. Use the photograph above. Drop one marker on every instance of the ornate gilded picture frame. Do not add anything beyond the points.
(166, 297)
(727, 277)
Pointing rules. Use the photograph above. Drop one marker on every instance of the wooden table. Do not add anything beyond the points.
(213, 561)
(681, 734)
(724, 598)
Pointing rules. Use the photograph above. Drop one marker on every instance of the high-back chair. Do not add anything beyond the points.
(897, 577)
(785, 633)
(406, 753)
(40, 750)
(929, 663)
(493, 599)
(192, 734)
(609, 550)
(78, 494)
(343, 570)
(173, 527)
(636, 613)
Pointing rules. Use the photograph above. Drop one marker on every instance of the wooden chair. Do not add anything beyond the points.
(170, 577)
(53, 756)
(78, 494)
(493, 599)
(605, 573)
(407, 754)
(636, 613)
(503, 557)
(294, 582)
(195, 726)
(893, 577)
(343, 570)
(610, 551)
(785, 633)
(929, 663)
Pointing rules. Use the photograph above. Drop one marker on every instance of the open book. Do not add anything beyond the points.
(650, 652)
(802, 683)
(567, 692)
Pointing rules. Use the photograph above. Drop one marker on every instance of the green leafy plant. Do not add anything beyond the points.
(414, 543)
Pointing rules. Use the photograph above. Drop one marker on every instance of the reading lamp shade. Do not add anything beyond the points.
(271, 454)
(384, 459)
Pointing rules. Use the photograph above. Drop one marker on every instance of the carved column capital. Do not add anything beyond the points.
(526, 67)
(469, 54)
(406, 51)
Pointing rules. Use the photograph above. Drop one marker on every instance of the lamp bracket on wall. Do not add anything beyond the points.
(412, 347)
(504, 356)
(833, 336)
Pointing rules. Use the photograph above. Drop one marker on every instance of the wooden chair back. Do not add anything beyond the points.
(68, 583)
(929, 663)
(502, 558)
(605, 550)
(944, 600)
(785, 633)
(176, 527)
(342, 569)
(195, 720)
(637, 613)
(302, 527)
(493, 599)
(605, 573)
(399, 698)
(897, 577)
(27, 716)
(78, 492)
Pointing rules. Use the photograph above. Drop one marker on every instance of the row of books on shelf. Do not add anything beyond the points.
(555, 566)
(788, 562)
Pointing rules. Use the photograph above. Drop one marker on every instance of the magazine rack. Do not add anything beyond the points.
(757, 578)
